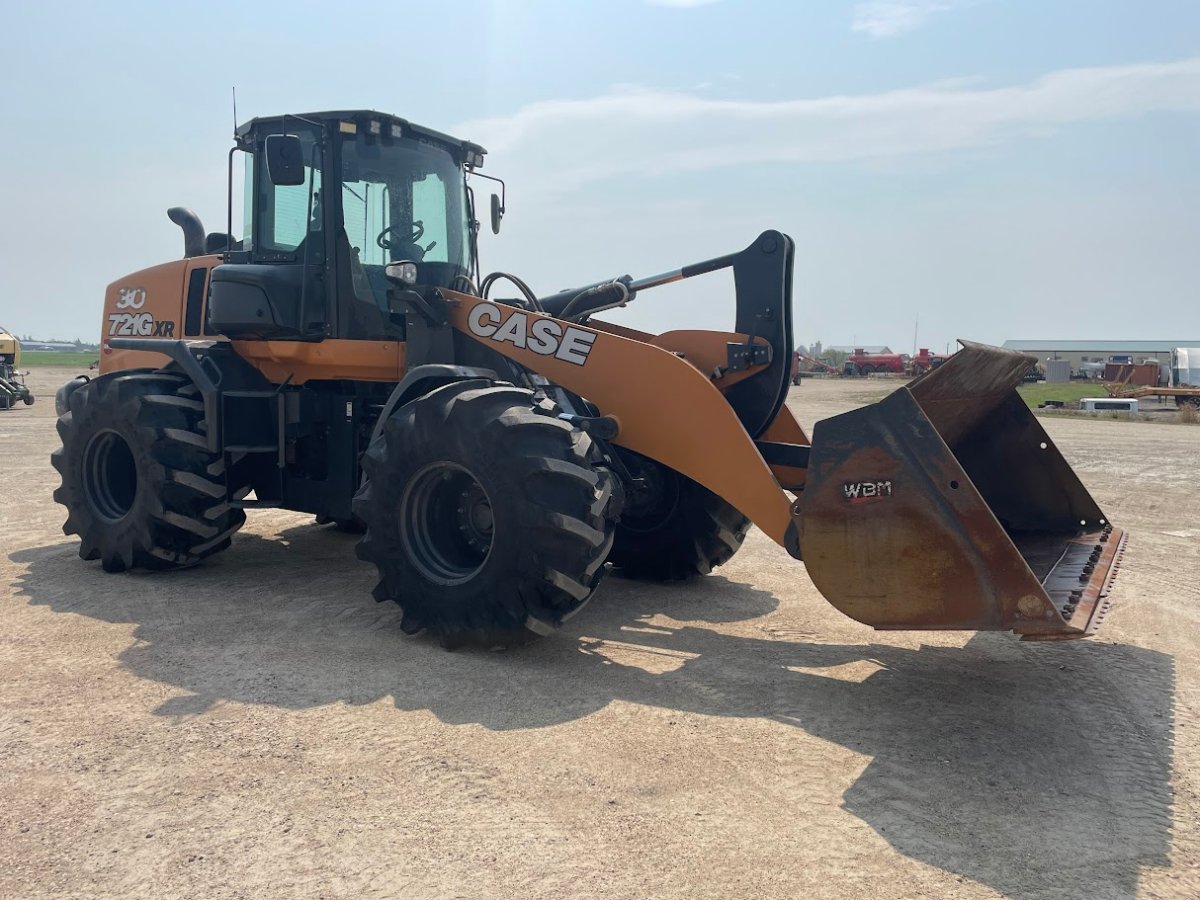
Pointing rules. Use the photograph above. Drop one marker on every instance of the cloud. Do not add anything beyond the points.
(880, 19)
(635, 131)
(682, 4)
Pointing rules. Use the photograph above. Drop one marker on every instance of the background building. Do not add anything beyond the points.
(1079, 352)
(866, 348)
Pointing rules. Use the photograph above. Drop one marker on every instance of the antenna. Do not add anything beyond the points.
(234, 89)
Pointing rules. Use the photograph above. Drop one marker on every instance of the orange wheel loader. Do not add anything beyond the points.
(345, 358)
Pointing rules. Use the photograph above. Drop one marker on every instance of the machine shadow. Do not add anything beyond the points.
(983, 757)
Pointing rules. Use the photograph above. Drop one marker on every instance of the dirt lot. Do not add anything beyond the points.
(259, 726)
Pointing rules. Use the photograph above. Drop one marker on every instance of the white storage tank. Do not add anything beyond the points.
(1185, 366)
(1058, 371)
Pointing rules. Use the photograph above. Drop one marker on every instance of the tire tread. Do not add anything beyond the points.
(568, 502)
(181, 512)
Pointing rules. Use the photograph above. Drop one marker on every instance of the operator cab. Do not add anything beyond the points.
(331, 199)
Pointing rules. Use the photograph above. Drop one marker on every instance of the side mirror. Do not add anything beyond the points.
(497, 213)
(285, 160)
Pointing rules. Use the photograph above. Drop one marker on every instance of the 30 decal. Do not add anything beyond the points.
(139, 325)
(546, 337)
(131, 298)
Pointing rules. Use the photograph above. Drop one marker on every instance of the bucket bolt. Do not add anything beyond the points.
(1068, 608)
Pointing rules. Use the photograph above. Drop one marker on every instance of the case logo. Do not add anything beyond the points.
(546, 337)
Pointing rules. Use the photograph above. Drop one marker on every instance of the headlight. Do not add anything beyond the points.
(404, 272)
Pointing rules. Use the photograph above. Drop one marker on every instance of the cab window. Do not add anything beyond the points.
(288, 213)
(429, 205)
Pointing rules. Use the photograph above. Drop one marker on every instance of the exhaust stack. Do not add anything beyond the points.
(193, 230)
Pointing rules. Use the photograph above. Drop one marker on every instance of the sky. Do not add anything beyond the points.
(984, 169)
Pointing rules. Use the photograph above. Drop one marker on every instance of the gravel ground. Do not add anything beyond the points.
(259, 726)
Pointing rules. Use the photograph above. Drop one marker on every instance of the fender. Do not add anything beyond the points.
(213, 366)
(667, 409)
(62, 397)
(420, 380)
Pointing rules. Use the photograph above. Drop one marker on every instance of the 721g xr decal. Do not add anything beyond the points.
(139, 325)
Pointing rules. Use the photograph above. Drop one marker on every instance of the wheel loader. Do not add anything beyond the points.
(346, 358)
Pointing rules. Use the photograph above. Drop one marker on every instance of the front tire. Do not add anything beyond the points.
(488, 518)
(673, 528)
(140, 487)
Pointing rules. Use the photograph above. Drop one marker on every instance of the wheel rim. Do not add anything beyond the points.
(655, 502)
(446, 524)
(109, 475)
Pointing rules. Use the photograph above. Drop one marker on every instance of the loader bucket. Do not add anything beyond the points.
(946, 506)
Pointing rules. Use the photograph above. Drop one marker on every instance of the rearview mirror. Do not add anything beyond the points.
(497, 213)
(285, 160)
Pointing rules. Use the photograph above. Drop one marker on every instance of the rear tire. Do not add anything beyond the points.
(140, 486)
(1182, 401)
(488, 518)
(674, 528)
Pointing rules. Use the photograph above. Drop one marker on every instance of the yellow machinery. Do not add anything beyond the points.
(12, 380)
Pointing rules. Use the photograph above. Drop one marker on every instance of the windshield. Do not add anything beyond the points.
(403, 200)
